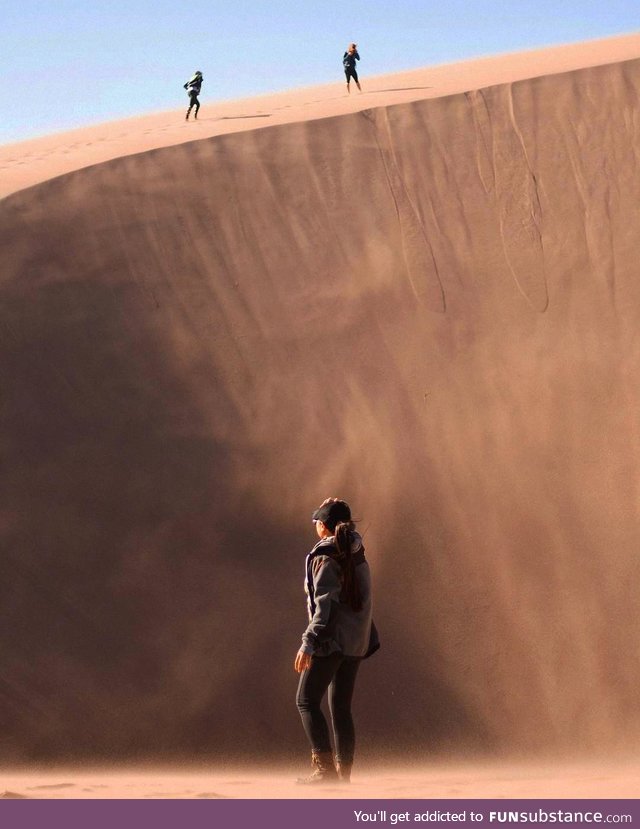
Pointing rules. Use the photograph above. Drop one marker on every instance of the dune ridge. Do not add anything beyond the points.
(430, 309)
(25, 163)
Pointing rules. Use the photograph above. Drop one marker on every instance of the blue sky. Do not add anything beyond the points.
(65, 63)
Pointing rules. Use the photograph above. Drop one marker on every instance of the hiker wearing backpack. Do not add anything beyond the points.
(340, 634)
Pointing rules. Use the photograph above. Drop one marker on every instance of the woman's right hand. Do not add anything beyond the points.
(329, 501)
(302, 661)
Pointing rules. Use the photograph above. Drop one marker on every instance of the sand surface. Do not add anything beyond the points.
(539, 781)
(429, 308)
(29, 162)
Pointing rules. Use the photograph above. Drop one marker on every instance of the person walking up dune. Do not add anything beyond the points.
(340, 634)
(193, 87)
(349, 62)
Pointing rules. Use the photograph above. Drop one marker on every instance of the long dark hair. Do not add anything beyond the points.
(343, 536)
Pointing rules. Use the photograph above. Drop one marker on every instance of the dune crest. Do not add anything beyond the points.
(27, 163)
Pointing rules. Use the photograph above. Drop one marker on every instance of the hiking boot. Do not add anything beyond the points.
(344, 771)
(325, 771)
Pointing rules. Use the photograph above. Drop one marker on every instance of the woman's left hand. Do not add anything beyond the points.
(303, 661)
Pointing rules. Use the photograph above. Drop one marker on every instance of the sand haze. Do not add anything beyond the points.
(429, 308)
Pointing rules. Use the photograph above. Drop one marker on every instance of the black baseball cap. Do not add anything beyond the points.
(332, 514)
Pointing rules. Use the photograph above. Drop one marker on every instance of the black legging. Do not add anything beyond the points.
(351, 73)
(193, 101)
(337, 673)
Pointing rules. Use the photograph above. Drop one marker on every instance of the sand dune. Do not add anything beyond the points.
(30, 162)
(430, 309)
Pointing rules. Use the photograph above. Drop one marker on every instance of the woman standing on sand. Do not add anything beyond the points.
(339, 635)
(193, 87)
(349, 62)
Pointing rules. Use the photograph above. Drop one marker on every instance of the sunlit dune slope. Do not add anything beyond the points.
(431, 310)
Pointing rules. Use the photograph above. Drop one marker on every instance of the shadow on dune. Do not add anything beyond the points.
(398, 89)
(240, 117)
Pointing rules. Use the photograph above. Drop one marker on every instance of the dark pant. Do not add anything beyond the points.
(351, 73)
(193, 101)
(337, 673)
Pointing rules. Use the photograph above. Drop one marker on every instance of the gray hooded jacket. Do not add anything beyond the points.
(333, 625)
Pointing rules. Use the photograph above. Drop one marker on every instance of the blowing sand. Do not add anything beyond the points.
(436, 781)
(428, 306)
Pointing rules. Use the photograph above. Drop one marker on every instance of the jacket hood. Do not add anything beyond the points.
(356, 543)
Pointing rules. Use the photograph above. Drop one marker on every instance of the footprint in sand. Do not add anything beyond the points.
(13, 796)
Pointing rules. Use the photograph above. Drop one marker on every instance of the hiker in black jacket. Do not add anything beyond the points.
(193, 90)
(349, 62)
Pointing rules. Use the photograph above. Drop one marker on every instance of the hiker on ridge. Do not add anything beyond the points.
(193, 90)
(349, 62)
